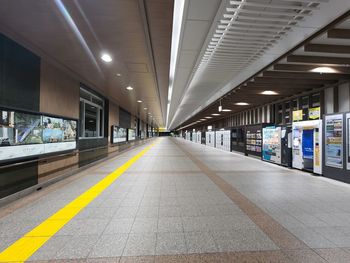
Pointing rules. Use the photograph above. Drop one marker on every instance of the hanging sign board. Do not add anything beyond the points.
(298, 115)
(314, 113)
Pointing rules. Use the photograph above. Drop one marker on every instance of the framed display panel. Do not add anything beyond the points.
(210, 138)
(334, 140)
(26, 134)
(131, 134)
(238, 139)
(119, 134)
(347, 120)
(336, 126)
(271, 150)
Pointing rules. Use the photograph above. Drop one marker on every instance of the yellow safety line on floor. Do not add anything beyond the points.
(25, 247)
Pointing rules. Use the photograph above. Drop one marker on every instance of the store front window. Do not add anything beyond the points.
(91, 115)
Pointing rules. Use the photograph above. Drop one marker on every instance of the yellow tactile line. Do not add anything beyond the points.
(22, 249)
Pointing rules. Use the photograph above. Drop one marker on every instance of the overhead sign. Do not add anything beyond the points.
(298, 115)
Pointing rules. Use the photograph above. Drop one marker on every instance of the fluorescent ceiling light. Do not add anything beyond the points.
(118, 74)
(269, 92)
(175, 40)
(324, 70)
(242, 103)
(139, 101)
(129, 88)
(203, 119)
(208, 117)
(216, 114)
(106, 58)
(227, 110)
(220, 108)
(145, 108)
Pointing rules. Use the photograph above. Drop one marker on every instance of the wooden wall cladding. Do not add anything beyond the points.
(59, 93)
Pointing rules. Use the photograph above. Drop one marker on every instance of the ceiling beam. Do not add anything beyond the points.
(325, 48)
(319, 60)
(339, 33)
(280, 91)
(283, 81)
(303, 68)
(305, 75)
(285, 85)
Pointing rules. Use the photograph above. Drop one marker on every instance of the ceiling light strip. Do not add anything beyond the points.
(179, 6)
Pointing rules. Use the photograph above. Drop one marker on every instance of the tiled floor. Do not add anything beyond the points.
(185, 202)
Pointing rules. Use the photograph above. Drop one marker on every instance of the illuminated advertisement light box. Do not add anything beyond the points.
(24, 134)
(119, 134)
(334, 140)
(131, 134)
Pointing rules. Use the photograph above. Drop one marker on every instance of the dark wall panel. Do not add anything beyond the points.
(124, 118)
(20, 76)
(19, 88)
(17, 178)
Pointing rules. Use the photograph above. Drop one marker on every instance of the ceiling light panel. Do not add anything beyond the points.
(106, 58)
(248, 29)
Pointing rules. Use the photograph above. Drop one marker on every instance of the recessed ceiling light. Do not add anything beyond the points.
(208, 117)
(323, 70)
(119, 75)
(216, 114)
(139, 101)
(227, 110)
(106, 58)
(269, 92)
(242, 103)
(129, 88)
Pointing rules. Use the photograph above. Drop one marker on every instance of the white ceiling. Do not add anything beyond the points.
(223, 43)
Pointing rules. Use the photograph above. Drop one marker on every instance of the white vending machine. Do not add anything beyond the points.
(210, 138)
(223, 140)
(307, 145)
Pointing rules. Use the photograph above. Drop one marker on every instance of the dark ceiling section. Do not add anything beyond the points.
(160, 17)
(320, 61)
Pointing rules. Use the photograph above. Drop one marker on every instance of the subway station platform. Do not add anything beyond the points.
(176, 201)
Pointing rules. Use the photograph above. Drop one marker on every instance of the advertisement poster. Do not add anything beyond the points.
(314, 113)
(25, 134)
(298, 115)
(119, 134)
(334, 140)
(272, 144)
